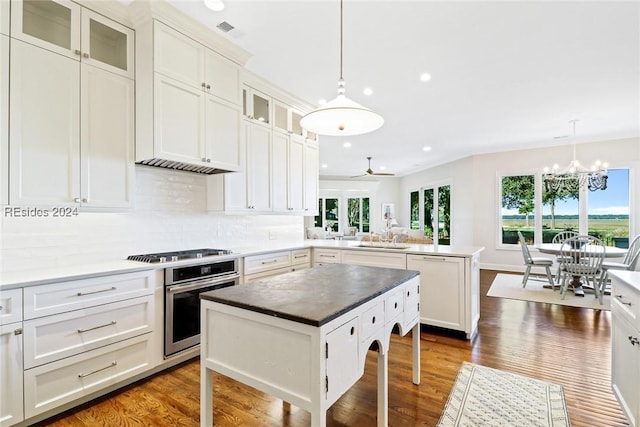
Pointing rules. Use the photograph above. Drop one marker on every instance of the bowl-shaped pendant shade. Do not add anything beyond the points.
(341, 117)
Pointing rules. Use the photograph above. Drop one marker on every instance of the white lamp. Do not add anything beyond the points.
(341, 116)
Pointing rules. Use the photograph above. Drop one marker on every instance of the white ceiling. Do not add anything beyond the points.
(505, 74)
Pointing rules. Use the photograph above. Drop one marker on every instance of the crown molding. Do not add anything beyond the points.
(141, 11)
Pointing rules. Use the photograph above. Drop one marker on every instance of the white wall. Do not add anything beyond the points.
(475, 190)
(170, 214)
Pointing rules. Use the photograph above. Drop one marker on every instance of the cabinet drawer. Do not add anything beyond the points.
(394, 305)
(10, 306)
(301, 256)
(625, 302)
(372, 320)
(266, 262)
(326, 256)
(51, 385)
(265, 274)
(375, 259)
(51, 338)
(45, 300)
(411, 294)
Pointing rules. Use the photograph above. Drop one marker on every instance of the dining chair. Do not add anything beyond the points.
(584, 262)
(530, 261)
(560, 238)
(628, 263)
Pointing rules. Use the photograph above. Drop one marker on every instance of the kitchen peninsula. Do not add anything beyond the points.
(303, 336)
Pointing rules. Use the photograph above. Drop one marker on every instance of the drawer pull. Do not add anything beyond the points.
(619, 298)
(113, 322)
(327, 256)
(633, 340)
(81, 294)
(373, 320)
(299, 256)
(269, 262)
(81, 375)
(352, 331)
(395, 305)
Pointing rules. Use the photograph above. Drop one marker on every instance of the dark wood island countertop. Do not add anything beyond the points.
(312, 296)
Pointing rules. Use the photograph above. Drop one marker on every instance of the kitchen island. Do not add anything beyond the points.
(303, 336)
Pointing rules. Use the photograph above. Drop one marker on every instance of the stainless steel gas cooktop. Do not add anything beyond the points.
(178, 255)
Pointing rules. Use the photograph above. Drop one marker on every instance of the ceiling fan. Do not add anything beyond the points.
(371, 172)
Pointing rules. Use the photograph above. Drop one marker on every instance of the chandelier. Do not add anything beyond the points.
(341, 116)
(575, 176)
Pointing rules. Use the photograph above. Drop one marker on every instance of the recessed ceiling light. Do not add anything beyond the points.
(367, 91)
(383, 168)
(215, 5)
(346, 144)
(426, 148)
(425, 77)
(324, 166)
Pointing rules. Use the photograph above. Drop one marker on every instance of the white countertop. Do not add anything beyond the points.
(31, 277)
(632, 278)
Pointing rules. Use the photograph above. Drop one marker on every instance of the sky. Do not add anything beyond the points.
(612, 201)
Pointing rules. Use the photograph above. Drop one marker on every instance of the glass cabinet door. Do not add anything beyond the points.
(107, 44)
(50, 24)
(296, 129)
(256, 106)
(280, 116)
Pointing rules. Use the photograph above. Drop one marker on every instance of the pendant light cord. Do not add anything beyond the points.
(341, 40)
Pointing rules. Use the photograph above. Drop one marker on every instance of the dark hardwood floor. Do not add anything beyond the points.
(565, 345)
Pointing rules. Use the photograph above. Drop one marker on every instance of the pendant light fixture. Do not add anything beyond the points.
(341, 116)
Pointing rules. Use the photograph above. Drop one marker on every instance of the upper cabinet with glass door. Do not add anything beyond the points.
(4, 17)
(256, 105)
(71, 30)
(287, 118)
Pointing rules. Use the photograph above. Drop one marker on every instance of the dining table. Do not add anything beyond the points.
(557, 248)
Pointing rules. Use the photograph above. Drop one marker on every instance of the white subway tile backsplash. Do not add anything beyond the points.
(169, 214)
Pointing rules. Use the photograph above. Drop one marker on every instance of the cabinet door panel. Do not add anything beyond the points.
(311, 156)
(107, 139)
(178, 121)
(342, 359)
(11, 411)
(223, 77)
(625, 366)
(45, 132)
(4, 117)
(4, 17)
(441, 290)
(258, 167)
(107, 44)
(296, 174)
(50, 24)
(223, 134)
(280, 164)
(178, 56)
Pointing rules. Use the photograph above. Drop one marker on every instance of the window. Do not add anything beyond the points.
(601, 213)
(423, 206)
(357, 213)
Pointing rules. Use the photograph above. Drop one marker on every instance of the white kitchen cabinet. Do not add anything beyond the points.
(267, 262)
(68, 29)
(311, 171)
(375, 259)
(71, 135)
(4, 115)
(4, 17)
(10, 306)
(288, 168)
(11, 385)
(625, 344)
(300, 259)
(51, 338)
(287, 119)
(343, 360)
(322, 256)
(449, 291)
(49, 386)
(256, 106)
(188, 61)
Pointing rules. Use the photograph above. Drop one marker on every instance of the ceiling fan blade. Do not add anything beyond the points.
(358, 176)
(383, 174)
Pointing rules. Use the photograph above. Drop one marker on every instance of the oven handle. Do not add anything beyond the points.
(200, 283)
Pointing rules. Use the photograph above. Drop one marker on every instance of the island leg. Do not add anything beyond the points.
(206, 396)
(383, 389)
(415, 335)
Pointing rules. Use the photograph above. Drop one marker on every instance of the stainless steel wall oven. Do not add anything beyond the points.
(183, 286)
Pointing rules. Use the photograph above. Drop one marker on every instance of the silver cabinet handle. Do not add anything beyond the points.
(85, 200)
(85, 55)
(203, 84)
(633, 340)
(81, 375)
(269, 262)
(208, 86)
(81, 294)
(77, 52)
(17, 331)
(208, 160)
(204, 159)
(300, 256)
(113, 322)
(76, 200)
(619, 298)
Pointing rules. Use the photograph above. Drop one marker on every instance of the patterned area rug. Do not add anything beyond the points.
(484, 396)
(510, 286)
